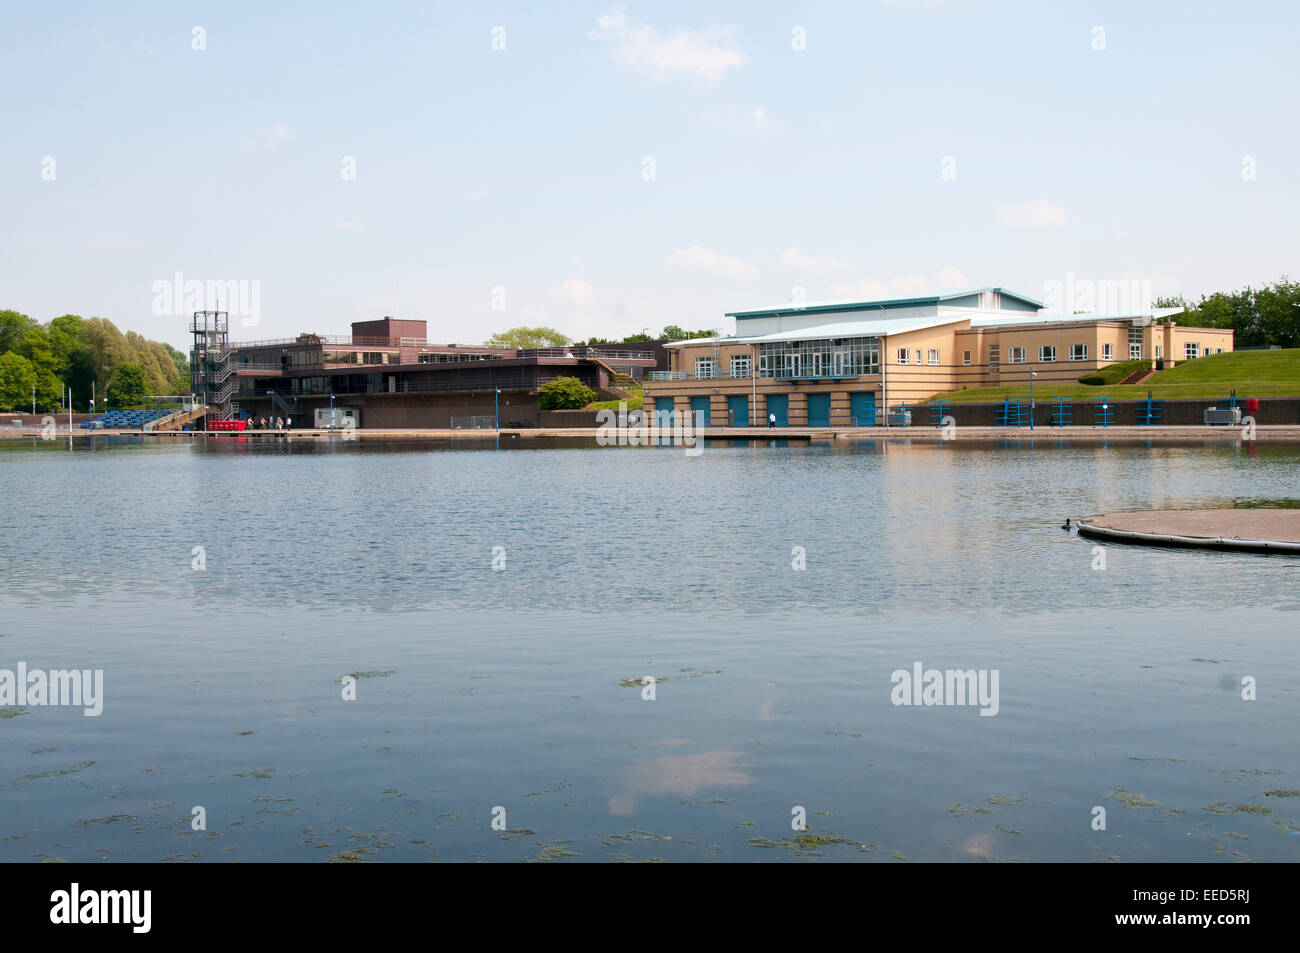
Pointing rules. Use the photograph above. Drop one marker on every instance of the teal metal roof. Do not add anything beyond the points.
(832, 306)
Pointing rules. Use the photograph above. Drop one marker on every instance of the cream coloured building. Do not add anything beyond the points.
(841, 363)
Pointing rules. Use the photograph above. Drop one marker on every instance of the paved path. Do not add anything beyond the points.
(1250, 530)
(1274, 433)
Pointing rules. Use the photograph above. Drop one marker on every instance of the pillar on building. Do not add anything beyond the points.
(840, 408)
(758, 409)
(718, 410)
(798, 416)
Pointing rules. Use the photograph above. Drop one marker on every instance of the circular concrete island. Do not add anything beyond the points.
(1252, 531)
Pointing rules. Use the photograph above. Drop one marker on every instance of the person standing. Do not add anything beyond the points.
(771, 420)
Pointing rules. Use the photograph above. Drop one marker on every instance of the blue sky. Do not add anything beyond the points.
(910, 147)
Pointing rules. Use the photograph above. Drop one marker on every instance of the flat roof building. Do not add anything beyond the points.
(388, 374)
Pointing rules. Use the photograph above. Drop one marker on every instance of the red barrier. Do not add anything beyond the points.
(226, 424)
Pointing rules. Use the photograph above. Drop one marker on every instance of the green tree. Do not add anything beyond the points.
(522, 337)
(675, 332)
(17, 378)
(564, 393)
(38, 349)
(126, 388)
(182, 364)
(13, 326)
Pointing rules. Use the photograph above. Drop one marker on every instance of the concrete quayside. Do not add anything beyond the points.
(1239, 529)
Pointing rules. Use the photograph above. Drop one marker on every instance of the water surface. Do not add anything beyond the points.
(519, 687)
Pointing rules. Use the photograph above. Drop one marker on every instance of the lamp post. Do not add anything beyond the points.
(331, 411)
(496, 402)
(1032, 375)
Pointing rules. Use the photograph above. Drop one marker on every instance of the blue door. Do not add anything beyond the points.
(700, 406)
(779, 404)
(739, 407)
(663, 412)
(862, 410)
(819, 410)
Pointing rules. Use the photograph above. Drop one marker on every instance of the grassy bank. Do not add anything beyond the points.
(1250, 373)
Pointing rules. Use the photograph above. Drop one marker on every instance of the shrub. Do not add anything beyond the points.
(1092, 380)
(564, 393)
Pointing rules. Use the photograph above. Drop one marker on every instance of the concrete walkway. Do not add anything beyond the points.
(1257, 530)
(1273, 433)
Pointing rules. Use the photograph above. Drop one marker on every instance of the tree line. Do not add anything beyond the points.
(1258, 317)
(528, 338)
(39, 362)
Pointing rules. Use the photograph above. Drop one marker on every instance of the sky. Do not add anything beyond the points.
(605, 168)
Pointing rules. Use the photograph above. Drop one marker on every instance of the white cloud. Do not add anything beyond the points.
(113, 242)
(902, 286)
(270, 138)
(707, 54)
(1032, 214)
(577, 290)
(723, 266)
(352, 226)
(794, 258)
(950, 278)
(946, 279)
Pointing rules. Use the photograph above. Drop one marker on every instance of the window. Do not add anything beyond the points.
(1015, 355)
(740, 365)
(1108, 352)
(1192, 349)
(993, 360)
(1160, 352)
(839, 357)
(1078, 352)
(1047, 354)
(918, 355)
(965, 358)
(1134, 343)
(705, 368)
(902, 355)
(932, 356)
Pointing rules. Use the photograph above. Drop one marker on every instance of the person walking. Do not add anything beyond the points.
(771, 420)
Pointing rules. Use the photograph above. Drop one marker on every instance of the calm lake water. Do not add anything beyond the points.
(519, 687)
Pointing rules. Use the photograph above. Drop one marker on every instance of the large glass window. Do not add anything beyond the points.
(706, 368)
(1047, 354)
(1078, 352)
(1015, 355)
(932, 356)
(740, 365)
(1192, 349)
(1134, 343)
(840, 357)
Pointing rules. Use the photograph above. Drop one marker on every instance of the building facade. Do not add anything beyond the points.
(843, 363)
(387, 374)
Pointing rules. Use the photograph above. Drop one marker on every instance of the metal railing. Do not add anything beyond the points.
(688, 376)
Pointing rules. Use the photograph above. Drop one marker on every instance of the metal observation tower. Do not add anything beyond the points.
(212, 377)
